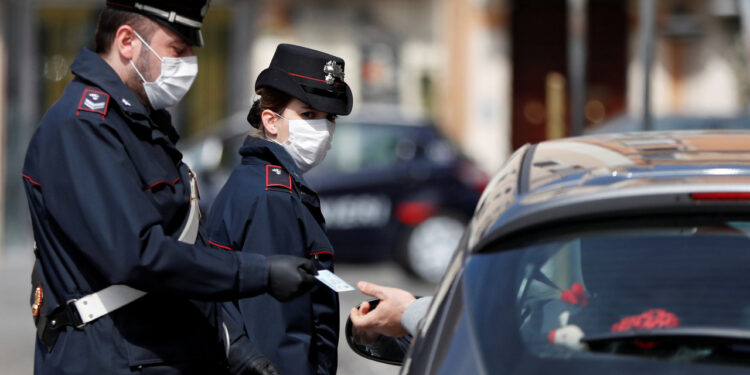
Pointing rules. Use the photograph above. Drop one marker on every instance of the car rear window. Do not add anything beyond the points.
(675, 289)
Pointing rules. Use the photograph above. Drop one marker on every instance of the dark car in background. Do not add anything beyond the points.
(390, 188)
(618, 253)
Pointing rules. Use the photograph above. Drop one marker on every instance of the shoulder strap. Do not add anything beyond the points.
(93, 100)
(190, 230)
(277, 177)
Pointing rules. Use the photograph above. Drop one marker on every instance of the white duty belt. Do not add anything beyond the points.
(95, 305)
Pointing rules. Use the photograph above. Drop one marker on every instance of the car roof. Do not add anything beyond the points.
(629, 123)
(608, 175)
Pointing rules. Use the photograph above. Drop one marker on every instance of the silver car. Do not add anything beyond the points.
(621, 253)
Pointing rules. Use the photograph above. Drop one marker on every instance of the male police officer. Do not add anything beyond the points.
(114, 213)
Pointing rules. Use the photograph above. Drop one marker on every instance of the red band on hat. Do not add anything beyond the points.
(121, 5)
(314, 79)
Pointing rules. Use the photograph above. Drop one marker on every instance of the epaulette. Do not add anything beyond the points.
(94, 101)
(277, 177)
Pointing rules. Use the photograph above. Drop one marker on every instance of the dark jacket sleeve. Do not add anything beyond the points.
(92, 192)
(241, 351)
(325, 307)
(325, 302)
(280, 225)
(270, 226)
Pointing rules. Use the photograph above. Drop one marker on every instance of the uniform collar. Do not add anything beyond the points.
(90, 67)
(268, 150)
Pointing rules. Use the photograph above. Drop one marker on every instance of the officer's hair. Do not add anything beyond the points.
(272, 99)
(111, 19)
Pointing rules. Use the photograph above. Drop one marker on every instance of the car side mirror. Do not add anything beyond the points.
(377, 347)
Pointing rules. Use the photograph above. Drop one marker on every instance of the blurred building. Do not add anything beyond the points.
(493, 74)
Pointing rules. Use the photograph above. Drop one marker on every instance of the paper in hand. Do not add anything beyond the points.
(332, 281)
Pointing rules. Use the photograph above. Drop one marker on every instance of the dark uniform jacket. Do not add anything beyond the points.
(108, 196)
(266, 206)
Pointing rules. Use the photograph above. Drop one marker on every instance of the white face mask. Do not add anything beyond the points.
(177, 75)
(309, 141)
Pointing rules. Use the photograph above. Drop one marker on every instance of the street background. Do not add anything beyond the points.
(17, 330)
(491, 75)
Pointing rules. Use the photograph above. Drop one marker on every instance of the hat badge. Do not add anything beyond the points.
(204, 10)
(332, 71)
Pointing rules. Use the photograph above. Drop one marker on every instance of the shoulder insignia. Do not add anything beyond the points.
(94, 101)
(276, 176)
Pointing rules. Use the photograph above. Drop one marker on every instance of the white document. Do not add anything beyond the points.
(332, 281)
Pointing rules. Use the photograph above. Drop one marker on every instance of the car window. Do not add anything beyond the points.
(590, 291)
(368, 146)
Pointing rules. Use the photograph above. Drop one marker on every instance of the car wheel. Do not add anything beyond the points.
(429, 246)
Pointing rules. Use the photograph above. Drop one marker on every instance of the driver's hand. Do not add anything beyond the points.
(386, 318)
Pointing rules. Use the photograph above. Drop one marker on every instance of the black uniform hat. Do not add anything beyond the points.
(184, 17)
(315, 78)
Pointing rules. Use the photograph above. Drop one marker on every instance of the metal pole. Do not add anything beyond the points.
(648, 27)
(555, 104)
(577, 32)
(3, 126)
(744, 6)
(241, 37)
(23, 112)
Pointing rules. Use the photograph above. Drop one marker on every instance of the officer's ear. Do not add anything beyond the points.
(125, 43)
(269, 122)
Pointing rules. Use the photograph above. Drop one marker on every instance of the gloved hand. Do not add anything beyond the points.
(289, 276)
(260, 366)
(244, 358)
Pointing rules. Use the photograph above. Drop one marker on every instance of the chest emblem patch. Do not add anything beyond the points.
(278, 177)
(94, 101)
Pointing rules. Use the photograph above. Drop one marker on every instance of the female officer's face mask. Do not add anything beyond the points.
(177, 75)
(309, 141)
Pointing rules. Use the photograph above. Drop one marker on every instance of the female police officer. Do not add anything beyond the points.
(267, 206)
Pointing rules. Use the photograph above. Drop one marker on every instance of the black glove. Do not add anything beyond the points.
(261, 366)
(245, 359)
(290, 277)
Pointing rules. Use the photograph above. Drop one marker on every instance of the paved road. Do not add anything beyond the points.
(16, 326)
(17, 331)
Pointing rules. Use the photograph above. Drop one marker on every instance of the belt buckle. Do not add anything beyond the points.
(74, 310)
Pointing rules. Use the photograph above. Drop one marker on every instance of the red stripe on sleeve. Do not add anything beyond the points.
(31, 180)
(221, 246)
(321, 252)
